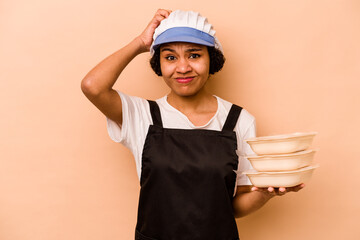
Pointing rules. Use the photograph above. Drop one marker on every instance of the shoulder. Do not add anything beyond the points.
(245, 116)
(132, 100)
(135, 111)
(246, 121)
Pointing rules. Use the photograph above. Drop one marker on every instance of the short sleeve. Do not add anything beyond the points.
(135, 118)
(243, 151)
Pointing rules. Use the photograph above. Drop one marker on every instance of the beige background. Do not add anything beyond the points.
(295, 65)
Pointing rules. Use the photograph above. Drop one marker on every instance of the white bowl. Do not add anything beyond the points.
(283, 162)
(280, 144)
(281, 179)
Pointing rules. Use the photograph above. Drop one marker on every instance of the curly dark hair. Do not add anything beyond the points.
(217, 61)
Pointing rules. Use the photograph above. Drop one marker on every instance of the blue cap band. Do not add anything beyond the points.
(184, 34)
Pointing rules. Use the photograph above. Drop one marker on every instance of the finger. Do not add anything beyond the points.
(160, 15)
(158, 18)
(163, 12)
(264, 190)
(299, 187)
(259, 189)
(281, 191)
(276, 191)
(296, 188)
(154, 23)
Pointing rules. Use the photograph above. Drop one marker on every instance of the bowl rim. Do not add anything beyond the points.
(298, 153)
(282, 137)
(253, 172)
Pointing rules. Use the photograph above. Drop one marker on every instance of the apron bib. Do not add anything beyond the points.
(187, 182)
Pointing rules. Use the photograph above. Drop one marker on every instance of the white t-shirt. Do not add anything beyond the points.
(137, 118)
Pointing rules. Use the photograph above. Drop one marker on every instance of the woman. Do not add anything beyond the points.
(188, 145)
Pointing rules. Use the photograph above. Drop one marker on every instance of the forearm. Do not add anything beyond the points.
(104, 75)
(248, 202)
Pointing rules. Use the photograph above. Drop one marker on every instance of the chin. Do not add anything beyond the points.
(186, 93)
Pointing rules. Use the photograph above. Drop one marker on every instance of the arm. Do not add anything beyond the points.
(97, 84)
(249, 199)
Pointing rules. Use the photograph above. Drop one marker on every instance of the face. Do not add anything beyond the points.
(185, 67)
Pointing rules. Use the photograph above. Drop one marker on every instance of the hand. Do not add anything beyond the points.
(272, 192)
(146, 37)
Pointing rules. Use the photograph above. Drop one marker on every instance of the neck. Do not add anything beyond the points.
(202, 101)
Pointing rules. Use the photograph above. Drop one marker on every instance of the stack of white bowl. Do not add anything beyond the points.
(281, 160)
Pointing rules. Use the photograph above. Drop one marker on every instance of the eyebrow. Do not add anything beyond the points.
(187, 50)
(167, 49)
(193, 50)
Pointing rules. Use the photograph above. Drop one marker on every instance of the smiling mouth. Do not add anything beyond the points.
(184, 79)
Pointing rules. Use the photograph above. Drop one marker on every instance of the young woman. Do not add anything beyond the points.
(188, 145)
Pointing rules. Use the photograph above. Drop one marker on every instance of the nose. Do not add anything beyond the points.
(183, 66)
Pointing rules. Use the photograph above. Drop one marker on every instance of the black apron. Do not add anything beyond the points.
(187, 182)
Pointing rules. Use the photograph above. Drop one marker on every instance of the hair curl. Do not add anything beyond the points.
(217, 61)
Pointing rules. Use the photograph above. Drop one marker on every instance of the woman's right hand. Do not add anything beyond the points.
(146, 37)
(98, 84)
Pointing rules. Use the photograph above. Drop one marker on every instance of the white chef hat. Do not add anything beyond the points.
(185, 26)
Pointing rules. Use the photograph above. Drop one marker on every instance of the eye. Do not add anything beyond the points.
(194, 55)
(170, 58)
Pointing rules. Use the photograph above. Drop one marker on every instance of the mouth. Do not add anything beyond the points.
(184, 79)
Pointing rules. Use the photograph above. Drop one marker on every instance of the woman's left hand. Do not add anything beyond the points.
(280, 191)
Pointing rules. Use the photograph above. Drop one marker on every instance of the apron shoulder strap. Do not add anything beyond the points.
(155, 113)
(232, 118)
